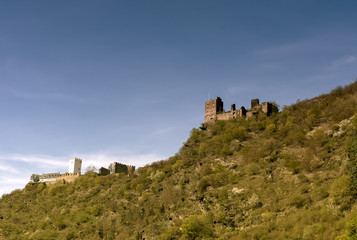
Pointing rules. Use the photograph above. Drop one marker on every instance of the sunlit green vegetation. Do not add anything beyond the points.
(289, 176)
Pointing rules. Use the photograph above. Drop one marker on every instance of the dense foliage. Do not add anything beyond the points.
(289, 176)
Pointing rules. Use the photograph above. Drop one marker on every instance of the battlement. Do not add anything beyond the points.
(68, 177)
(214, 110)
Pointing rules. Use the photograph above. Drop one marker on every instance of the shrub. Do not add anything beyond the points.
(173, 233)
(299, 201)
(291, 162)
(196, 226)
(205, 182)
(270, 129)
(240, 133)
(340, 190)
(351, 229)
(352, 164)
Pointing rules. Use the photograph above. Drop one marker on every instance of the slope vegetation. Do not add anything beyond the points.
(289, 176)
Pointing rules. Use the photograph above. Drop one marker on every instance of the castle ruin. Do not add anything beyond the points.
(74, 171)
(122, 168)
(214, 110)
(116, 167)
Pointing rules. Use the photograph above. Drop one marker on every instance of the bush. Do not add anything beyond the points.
(351, 229)
(340, 190)
(205, 182)
(291, 162)
(352, 164)
(173, 233)
(270, 129)
(240, 133)
(196, 226)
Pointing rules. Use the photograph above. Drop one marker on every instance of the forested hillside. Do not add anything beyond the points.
(289, 176)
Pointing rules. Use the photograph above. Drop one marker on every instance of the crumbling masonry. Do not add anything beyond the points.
(214, 110)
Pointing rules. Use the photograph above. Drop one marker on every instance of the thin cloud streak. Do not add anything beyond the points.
(49, 96)
(342, 62)
(12, 180)
(96, 159)
(288, 48)
(41, 159)
(7, 168)
(269, 66)
(162, 131)
(104, 159)
(317, 43)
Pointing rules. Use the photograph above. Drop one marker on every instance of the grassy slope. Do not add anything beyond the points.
(284, 177)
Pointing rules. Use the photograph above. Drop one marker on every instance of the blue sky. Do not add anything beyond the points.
(127, 80)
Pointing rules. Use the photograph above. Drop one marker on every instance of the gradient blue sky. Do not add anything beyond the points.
(127, 80)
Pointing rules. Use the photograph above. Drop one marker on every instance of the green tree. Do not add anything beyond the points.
(35, 178)
(91, 168)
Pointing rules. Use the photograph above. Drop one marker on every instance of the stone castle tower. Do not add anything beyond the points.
(212, 107)
(75, 165)
(214, 110)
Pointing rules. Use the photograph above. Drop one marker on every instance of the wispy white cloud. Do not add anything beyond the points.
(9, 183)
(289, 48)
(269, 66)
(104, 159)
(49, 96)
(96, 159)
(333, 71)
(317, 43)
(242, 88)
(162, 131)
(36, 159)
(146, 101)
(7, 168)
(12, 178)
(341, 62)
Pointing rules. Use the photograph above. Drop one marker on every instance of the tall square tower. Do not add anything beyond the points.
(212, 107)
(75, 165)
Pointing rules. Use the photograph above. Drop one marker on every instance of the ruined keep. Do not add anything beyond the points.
(214, 110)
(122, 168)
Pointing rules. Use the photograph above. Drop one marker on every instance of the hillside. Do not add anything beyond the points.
(289, 176)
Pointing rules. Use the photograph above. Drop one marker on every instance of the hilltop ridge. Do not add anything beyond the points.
(291, 175)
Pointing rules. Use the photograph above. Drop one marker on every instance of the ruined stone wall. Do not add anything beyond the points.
(104, 171)
(68, 177)
(214, 110)
(224, 116)
(122, 168)
(131, 169)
